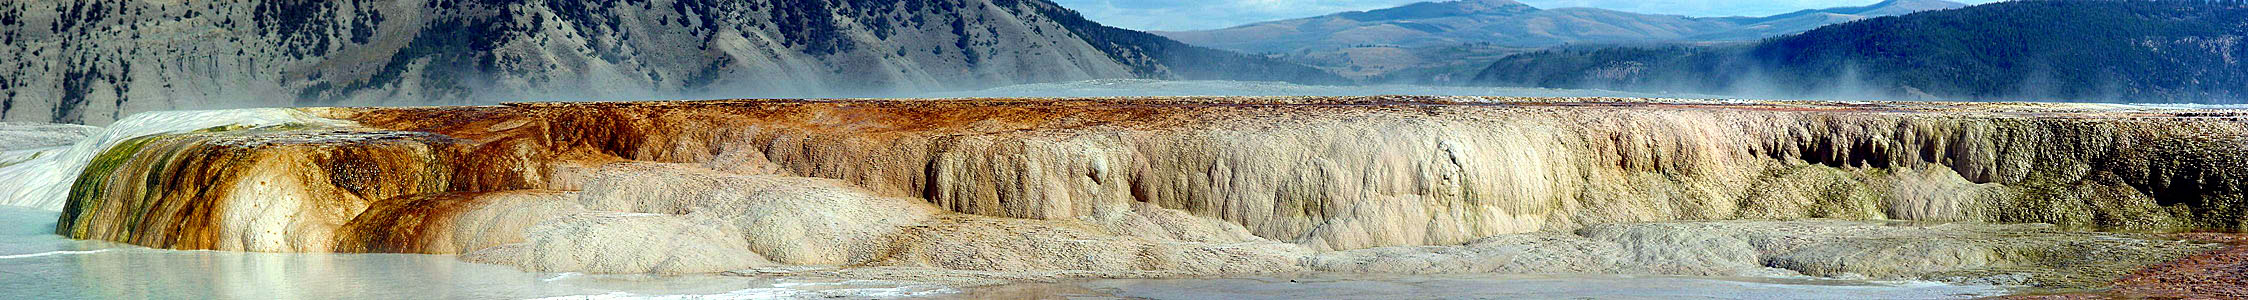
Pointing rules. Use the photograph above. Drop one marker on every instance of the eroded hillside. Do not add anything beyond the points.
(93, 62)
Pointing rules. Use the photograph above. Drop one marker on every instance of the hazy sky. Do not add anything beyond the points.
(1211, 14)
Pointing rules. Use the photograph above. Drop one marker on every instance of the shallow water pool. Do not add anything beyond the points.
(36, 264)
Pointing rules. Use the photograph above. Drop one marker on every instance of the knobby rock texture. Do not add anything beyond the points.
(1198, 186)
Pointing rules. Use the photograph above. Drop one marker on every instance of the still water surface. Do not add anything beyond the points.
(36, 264)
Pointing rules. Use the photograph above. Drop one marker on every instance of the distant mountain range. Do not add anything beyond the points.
(2126, 51)
(1514, 24)
(1431, 34)
(85, 61)
(95, 61)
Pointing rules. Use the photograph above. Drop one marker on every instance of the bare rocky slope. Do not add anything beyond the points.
(1028, 189)
(92, 62)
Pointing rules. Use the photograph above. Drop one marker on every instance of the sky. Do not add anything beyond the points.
(1173, 15)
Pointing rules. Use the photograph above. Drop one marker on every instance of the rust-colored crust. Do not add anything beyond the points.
(2216, 274)
(2222, 273)
(410, 224)
(894, 148)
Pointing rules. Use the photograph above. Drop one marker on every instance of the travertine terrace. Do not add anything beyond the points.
(1199, 186)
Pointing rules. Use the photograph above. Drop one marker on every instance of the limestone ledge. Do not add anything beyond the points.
(1187, 185)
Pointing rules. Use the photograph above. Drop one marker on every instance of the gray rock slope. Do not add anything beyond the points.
(94, 61)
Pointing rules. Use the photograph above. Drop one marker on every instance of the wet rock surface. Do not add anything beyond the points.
(2221, 273)
(16, 136)
(1001, 190)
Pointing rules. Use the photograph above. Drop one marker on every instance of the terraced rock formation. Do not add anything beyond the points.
(1197, 186)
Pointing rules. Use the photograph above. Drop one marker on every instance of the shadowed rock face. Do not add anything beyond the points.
(1193, 185)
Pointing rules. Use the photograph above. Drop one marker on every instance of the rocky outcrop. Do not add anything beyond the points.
(93, 62)
(1189, 185)
(41, 177)
(272, 190)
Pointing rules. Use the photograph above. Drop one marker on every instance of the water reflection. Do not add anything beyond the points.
(36, 264)
(1491, 286)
